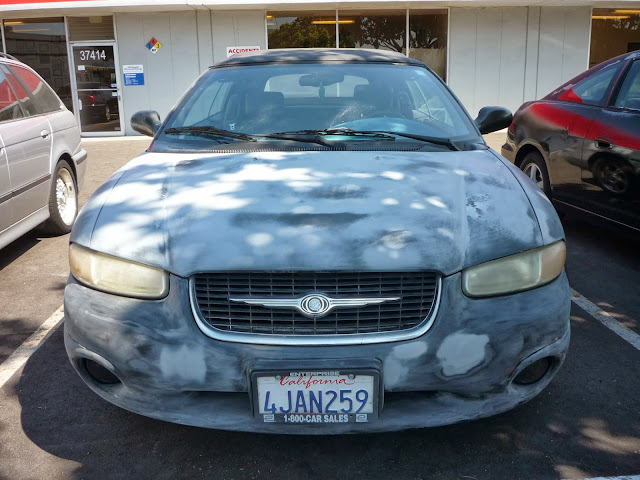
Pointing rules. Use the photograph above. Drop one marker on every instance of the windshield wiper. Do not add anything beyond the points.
(346, 132)
(445, 142)
(377, 134)
(209, 132)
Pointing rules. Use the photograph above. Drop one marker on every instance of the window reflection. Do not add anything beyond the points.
(380, 30)
(301, 30)
(428, 39)
(614, 31)
(372, 29)
(41, 44)
(9, 107)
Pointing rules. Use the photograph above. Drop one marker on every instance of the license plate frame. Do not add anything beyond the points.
(316, 418)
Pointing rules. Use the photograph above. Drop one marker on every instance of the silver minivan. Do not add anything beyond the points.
(41, 162)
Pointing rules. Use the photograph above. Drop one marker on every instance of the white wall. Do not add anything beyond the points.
(237, 29)
(191, 42)
(564, 46)
(167, 73)
(506, 56)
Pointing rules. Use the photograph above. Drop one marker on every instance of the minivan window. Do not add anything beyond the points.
(46, 100)
(9, 104)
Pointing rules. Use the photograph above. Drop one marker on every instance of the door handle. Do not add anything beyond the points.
(45, 134)
(603, 143)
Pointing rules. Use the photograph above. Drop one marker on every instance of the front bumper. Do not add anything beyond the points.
(461, 369)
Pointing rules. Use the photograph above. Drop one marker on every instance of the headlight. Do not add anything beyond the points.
(515, 273)
(116, 275)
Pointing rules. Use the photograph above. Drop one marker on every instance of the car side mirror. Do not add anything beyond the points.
(146, 122)
(491, 119)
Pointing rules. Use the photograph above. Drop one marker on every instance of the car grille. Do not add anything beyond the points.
(211, 293)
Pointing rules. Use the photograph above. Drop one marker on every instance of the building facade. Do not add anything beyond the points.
(108, 59)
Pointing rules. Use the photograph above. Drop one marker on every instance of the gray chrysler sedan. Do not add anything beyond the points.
(318, 241)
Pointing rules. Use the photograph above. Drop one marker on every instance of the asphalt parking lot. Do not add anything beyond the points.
(585, 425)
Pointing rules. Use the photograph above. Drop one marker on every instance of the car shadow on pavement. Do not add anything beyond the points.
(585, 424)
(18, 248)
(13, 331)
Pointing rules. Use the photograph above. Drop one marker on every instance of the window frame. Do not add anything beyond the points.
(9, 74)
(36, 104)
(606, 96)
(23, 113)
(615, 93)
(472, 136)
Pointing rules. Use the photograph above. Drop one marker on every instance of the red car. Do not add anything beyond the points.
(581, 143)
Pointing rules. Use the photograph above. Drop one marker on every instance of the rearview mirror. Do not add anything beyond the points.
(491, 119)
(320, 79)
(146, 122)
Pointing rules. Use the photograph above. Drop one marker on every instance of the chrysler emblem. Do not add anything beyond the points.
(314, 305)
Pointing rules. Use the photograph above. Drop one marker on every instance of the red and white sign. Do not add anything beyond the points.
(234, 50)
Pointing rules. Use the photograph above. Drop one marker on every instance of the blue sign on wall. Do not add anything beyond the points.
(134, 78)
(133, 74)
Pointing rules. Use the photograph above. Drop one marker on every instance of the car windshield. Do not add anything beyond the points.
(319, 103)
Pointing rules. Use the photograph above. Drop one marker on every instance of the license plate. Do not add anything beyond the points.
(316, 397)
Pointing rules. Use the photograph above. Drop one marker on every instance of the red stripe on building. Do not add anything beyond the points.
(36, 2)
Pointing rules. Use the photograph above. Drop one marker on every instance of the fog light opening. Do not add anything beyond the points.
(99, 373)
(534, 372)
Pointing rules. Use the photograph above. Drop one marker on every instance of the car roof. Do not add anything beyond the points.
(6, 58)
(317, 55)
(635, 55)
(625, 56)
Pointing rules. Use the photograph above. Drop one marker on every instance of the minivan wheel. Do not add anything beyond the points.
(534, 167)
(63, 200)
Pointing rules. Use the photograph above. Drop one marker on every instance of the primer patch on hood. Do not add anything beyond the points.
(312, 211)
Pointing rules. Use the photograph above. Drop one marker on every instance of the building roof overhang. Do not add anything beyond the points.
(38, 8)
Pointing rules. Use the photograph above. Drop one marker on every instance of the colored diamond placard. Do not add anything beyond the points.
(154, 45)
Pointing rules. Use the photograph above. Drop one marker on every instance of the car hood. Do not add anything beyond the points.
(311, 210)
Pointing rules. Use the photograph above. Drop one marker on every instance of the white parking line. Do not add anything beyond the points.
(624, 477)
(20, 356)
(606, 319)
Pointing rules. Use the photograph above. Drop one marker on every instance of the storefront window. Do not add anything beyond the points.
(302, 29)
(373, 29)
(379, 29)
(90, 28)
(428, 39)
(41, 44)
(614, 31)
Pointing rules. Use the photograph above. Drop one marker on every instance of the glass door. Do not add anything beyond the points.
(97, 88)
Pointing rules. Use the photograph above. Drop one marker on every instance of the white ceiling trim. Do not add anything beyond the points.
(81, 7)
